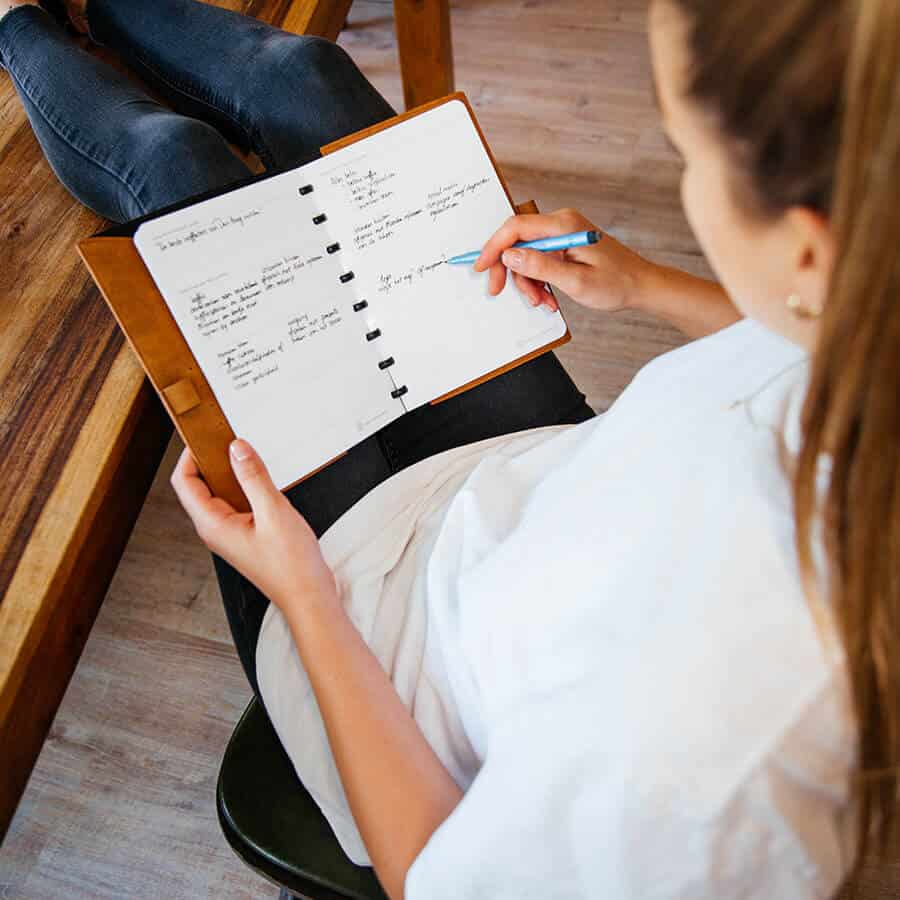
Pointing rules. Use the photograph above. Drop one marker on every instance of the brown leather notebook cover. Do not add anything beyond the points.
(144, 316)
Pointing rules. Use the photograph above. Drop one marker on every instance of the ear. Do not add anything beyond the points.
(813, 255)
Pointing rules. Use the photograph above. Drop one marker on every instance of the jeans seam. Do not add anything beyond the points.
(83, 153)
(190, 91)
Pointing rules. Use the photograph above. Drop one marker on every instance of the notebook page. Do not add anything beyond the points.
(259, 299)
(407, 199)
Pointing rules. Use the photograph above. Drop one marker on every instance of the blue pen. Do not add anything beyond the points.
(545, 245)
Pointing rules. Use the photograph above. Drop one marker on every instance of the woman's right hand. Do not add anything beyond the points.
(605, 276)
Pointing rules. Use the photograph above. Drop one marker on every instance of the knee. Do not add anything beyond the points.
(164, 137)
(301, 66)
(176, 157)
(311, 90)
(311, 57)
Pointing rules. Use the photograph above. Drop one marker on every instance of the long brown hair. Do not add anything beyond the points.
(807, 95)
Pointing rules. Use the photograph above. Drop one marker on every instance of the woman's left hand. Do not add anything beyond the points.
(273, 545)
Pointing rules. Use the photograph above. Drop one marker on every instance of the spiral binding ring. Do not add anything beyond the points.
(306, 189)
(332, 248)
(360, 305)
(319, 219)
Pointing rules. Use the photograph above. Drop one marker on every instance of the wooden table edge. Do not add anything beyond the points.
(72, 554)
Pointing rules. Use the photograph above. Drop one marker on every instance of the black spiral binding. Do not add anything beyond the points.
(383, 364)
(306, 189)
(360, 305)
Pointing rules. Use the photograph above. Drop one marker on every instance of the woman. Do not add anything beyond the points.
(536, 652)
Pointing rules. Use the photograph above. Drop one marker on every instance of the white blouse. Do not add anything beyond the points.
(600, 630)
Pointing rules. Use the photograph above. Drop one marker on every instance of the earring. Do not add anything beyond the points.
(802, 310)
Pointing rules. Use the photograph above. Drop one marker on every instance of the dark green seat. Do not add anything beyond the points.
(274, 825)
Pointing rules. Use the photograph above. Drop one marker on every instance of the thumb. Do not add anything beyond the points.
(549, 267)
(253, 476)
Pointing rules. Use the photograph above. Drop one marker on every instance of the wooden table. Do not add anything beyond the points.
(81, 432)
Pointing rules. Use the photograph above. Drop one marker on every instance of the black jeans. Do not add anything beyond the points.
(283, 96)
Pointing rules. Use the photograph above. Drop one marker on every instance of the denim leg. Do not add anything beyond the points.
(117, 151)
(281, 95)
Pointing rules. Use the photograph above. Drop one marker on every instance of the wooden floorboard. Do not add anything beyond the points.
(121, 802)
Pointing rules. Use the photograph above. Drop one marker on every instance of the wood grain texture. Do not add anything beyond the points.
(58, 352)
(324, 18)
(121, 802)
(425, 45)
(75, 547)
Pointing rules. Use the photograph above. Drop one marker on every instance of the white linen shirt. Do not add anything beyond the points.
(600, 630)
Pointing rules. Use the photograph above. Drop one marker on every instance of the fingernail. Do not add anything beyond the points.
(240, 450)
(512, 259)
(477, 264)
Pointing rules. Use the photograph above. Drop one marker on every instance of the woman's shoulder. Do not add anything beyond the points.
(744, 347)
(686, 391)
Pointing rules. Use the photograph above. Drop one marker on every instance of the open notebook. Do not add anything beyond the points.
(318, 304)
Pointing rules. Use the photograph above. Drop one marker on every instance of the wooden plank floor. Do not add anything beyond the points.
(121, 802)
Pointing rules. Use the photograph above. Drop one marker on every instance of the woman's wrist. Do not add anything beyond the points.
(695, 305)
(650, 285)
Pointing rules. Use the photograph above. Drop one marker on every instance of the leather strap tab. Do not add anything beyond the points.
(182, 396)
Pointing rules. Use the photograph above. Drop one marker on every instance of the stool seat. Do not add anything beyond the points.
(275, 826)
